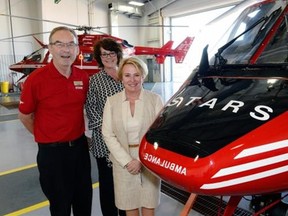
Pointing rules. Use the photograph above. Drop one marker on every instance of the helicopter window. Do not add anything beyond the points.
(248, 32)
(87, 57)
(36, 57)
(276, 50)
(241, 29)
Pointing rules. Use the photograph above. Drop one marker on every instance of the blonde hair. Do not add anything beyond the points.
(139, 64)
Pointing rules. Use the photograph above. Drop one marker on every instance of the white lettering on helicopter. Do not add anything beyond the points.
(165, 164)
(260, 112)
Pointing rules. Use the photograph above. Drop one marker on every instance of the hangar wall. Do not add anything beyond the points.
(13, 52)
(46, 15)
(90, 13)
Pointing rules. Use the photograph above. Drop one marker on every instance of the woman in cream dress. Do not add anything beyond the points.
(127, 116)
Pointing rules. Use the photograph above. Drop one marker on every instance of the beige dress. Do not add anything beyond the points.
(135, 191)
(119, 129)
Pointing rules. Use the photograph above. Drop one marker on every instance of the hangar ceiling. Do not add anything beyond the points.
(180, 7)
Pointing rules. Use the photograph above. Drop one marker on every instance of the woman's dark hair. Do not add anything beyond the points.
(107, 44)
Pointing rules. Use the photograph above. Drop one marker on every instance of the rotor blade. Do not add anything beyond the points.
(132, 26)
(77, 27)
(144, 26)
(27, 35)
(40, 20)
(89, 28)
(96, 28)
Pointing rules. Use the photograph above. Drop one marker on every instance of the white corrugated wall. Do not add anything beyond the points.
(5, 73)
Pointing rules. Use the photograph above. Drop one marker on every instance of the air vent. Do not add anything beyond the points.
(128, 10)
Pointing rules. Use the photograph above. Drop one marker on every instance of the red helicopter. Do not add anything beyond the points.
(85, 58)
(225, 131)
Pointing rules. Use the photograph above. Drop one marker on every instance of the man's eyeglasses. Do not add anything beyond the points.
(61, 45)
(105, 55)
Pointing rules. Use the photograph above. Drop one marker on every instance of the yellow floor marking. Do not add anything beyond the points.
(29, 209)
(38, 206)
(95, 185)
(18, 169)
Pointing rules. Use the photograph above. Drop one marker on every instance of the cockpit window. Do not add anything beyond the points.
(276, 51)
(87, 57)
(248, 32)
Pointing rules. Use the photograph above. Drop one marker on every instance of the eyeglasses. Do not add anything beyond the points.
(111, 54)
(61, 45)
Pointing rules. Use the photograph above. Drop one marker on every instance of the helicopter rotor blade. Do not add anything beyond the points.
(39, 20)
(146, 26)
(27, 35)
(89, 28)
(96, 29)
(76, 27)
(84, 28)
(93, 28)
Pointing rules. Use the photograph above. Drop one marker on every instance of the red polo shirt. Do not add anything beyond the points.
(57, 103)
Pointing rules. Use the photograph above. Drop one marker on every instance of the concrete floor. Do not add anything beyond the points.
(20, 190)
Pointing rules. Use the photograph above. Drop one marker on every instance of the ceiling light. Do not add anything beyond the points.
(135, 3)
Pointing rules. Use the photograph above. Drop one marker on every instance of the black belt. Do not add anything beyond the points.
(81, 140)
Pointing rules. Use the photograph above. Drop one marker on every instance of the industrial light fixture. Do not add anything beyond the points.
(135, 3)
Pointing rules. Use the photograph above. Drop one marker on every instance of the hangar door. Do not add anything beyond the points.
(195, 23)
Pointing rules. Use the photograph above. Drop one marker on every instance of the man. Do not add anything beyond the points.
(51, 108)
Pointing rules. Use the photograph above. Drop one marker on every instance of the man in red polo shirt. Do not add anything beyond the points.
(51, 108)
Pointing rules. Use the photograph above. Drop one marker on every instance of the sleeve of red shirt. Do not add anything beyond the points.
(27, 103)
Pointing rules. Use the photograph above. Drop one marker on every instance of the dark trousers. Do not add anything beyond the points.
(106, 189)
(65, 178)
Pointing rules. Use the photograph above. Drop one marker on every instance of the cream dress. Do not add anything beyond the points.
(134, 191)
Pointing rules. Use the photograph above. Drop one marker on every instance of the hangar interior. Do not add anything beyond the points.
(20, 19)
